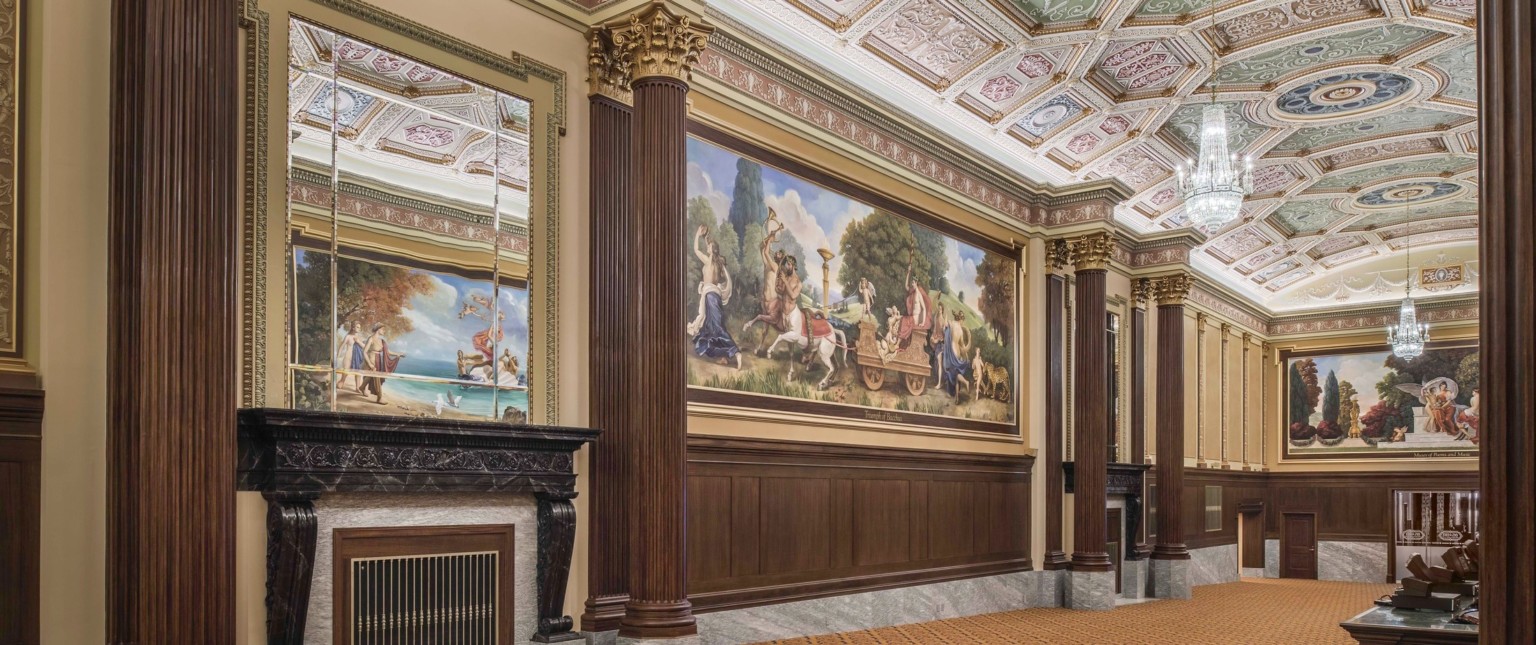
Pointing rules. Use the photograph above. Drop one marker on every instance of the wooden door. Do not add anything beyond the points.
(1252, 537)
(1114, 542)
(1298, 546)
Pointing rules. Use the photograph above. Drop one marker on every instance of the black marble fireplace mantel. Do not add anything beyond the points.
(293, 457)
(1122, 479)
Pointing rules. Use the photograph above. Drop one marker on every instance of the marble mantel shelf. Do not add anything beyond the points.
(293, 457)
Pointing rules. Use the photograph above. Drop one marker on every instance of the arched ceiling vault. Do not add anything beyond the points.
(1360, 115)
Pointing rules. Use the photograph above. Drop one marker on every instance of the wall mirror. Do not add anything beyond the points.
(396, 265)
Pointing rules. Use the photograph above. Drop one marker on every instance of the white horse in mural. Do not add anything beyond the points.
(824, 342)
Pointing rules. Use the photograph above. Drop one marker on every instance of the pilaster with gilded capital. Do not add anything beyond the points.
(608, 69)
(1092, 251)
(1171, 289)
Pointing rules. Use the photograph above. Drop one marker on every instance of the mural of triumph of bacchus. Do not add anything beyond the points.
(797, 291)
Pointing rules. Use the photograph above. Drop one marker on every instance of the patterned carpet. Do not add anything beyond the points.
(1252, 612)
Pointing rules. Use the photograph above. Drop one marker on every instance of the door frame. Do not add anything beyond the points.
(1284, 557)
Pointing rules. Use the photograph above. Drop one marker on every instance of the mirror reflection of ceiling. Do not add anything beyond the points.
(1351, 109)
(407, 126)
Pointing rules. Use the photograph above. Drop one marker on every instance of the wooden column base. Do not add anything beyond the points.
(659, 620)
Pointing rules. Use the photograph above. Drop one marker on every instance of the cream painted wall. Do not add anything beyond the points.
(68, 99)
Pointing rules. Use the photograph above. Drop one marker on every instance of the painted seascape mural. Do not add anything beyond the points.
(802, 299)
(407, 341)
(1371, 404)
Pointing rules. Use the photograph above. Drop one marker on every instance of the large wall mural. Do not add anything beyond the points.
(1371, 404)
(803, 299)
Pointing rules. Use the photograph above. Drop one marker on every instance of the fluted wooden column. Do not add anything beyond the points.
(171, 322)
(1055, 374)
(1090, 406)
(1506, 30)
(1141, 293)
(660, 46)
(612, 311)
(1170, 292)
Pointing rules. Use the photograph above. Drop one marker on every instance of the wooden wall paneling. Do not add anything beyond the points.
(1055, 375)
(21, 431)
(174, 220)
(823, 519)
(1506, 31)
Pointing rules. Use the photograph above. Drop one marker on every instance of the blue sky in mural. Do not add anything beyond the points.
(815, 216)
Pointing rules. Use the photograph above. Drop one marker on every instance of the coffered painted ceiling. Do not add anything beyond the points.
(1360, 115)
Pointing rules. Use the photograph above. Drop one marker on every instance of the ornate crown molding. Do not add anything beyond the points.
(1092, 251)
(658, 42)
(1171, 289)
(608, 70)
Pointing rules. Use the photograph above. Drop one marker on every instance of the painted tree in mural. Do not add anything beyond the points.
(370, 294)
(312, 308)
(1300, 412)
(879, 248)
(930, 243)
(1308, 369)
(1331, 399)
(995, 275)
(1468, 374)
(747, 205)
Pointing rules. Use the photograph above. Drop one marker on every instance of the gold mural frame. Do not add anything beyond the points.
(264, 341)
(11, 82)
(1282, 356)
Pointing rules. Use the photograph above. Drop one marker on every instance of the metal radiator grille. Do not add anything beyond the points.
(439, 598)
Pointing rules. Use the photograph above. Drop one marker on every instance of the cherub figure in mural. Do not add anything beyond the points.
(378, 358)
(867, 297)
(507, 367)
(710, 338)
(349, 356)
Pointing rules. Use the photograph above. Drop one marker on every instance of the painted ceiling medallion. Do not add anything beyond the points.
(1342, 94)
(1046, 117)
(1410, 193)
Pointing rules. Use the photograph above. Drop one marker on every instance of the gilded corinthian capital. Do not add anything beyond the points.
(657, 42)
(607, 68)
(1171, 289)
(1091, 251)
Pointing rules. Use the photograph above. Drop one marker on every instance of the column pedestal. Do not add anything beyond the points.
(1170, 579)
(1091, 590)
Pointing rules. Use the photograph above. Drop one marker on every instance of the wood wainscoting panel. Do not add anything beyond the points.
(21, 434)
(1349, 506)
(773, 521)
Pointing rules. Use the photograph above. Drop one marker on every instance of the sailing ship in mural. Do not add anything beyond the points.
(1372, 404)
(800, 293)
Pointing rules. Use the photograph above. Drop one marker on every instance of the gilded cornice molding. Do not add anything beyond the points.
(608, 71)
(656, 41)
(1458, 309)
(1171, 289)
(1092, 252)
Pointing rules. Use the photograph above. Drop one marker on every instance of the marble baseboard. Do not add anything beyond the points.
(1170, 579)
(685, 640)
(354, 510)
(884, 608)
(1352, 561)
(1133, 579)
(1272, 558)
(1091, 590)
(1251, 572)
(1213, 565)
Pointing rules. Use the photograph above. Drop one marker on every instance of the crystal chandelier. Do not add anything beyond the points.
(1213, 186)
(1409, 335)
